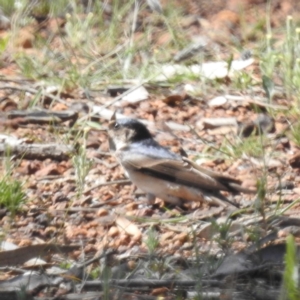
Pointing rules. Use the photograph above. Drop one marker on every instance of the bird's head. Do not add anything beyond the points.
(124, 131)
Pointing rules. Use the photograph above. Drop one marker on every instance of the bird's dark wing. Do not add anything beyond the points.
(232, 184)
(179, 171)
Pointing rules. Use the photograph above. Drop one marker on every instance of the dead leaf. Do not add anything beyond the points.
(124, 225)
(24, 38)
(159, 291)
(102, 212)
(173, 100)
(113, 231)
(51, 169)
(294, 161)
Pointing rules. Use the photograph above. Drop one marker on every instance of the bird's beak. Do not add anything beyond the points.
(112, 120)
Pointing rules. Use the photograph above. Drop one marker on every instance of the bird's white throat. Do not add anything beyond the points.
(119, 144)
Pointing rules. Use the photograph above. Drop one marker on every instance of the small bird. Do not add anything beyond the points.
(161, 173)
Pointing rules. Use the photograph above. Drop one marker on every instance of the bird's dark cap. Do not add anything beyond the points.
(139, 130)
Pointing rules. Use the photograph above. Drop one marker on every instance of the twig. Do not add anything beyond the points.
(105, 57)
(37, 151)
(18, 80)
(31, 91)
(122, 95)
(151, 283)
(255, 101)
(124, 181)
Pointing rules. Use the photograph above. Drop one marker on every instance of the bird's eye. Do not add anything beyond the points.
(117, 125)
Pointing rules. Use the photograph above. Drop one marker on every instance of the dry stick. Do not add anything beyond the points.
(123, 181)
(128, 60)
(18, 80)
(37, 151)
(32, 91)
(95, 259)
(105, 106)
(88, 116)
(125, 93)
(255, 101)
(76, 209)
(21, 255)
(150, 283)
(122, 95)
(102, 58)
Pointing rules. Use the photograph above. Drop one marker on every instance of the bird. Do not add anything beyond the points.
(161, 173)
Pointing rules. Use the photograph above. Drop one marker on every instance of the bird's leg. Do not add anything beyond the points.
(150, 198)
